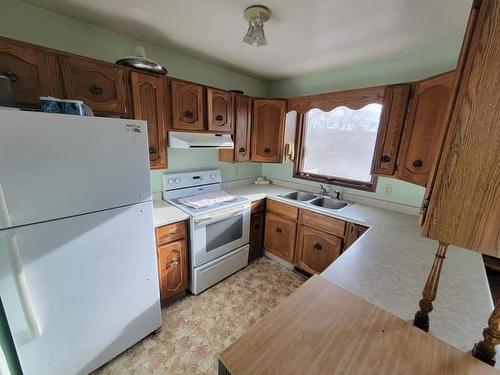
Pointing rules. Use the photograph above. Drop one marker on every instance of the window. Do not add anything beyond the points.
(338, 146)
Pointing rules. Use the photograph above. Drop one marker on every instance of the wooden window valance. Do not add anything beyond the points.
(354, 99)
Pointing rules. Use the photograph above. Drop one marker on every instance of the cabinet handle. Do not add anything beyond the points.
(242, 150)
(385, 158)
(95, 90)
(152, 150)
(278, 230)
(219, 117)
(188, 114)
(267, 150)
(174, 262)
(317, 246)
(417, 163)
(10, 75)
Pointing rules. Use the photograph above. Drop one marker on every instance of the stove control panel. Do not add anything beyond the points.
(180, 180)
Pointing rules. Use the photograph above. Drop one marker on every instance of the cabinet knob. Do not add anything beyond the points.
(278, 230)
(385, 158)
(174, 262)
(95, 90)
(242, 150)
(188, 114)
(317, 246)
(152, 150)
(219, 117)
(417, 163)
(10, 75)
(267, 150)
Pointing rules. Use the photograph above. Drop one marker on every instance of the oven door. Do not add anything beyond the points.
(218, 233)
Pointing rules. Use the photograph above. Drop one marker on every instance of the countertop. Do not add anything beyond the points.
(164, 213)
(388, 266)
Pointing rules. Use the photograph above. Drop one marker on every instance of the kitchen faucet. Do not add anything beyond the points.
(325, 190)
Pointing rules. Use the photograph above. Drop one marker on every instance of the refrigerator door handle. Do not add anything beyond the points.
(19, 276)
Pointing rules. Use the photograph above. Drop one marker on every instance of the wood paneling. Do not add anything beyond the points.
(390, 129)
(242, 132)
(33, 72)
(424, 127)
(219, 110)
(268, 130)
(170, 233)
(282, 209)
(257, 223)
(464, 208)
(149, 104)
(102, 86)
(316, 250)
(323, 329)
(279, 238)
(172, 268)
(326, 223)
(354, 231)
(187, 105)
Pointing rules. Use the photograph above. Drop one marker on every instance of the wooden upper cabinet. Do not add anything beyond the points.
(391, 126)
(219, 110)
(187, 106)
(242, 128)
(463, 195)
(423, 129)
(33, 72)
(316, 250)
(149, 104)
(172, 268)
(268, 130)
(102, 86)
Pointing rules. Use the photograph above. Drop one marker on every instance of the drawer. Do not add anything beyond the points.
(258, 206)
(170, 233)
(326, 223)
(282, 209)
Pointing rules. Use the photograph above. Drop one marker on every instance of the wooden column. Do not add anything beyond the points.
(429, 294)
(485, 349)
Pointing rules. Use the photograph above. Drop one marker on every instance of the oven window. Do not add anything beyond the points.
(223, 232)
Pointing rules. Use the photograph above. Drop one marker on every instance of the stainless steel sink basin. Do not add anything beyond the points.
(299, 196)
(330, 203)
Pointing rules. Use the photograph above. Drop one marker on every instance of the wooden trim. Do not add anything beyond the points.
(354, 99)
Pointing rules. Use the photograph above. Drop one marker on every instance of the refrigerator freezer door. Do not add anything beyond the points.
(54, 166)
(78, 291)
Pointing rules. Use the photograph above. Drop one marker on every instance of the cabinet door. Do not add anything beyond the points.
(424, 127)
(99, 84)
(172, 268)
(279, 238)
(187, 106)
(243, 118)
(219, 110)
(268, 131)
(33, 72)
(148, 103)
(316, 249)
(354, 231)
(390, 129)
(256, 235)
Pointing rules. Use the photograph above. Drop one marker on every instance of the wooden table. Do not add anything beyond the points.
(323, 329)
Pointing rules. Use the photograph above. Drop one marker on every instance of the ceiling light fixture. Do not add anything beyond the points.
(256, 15)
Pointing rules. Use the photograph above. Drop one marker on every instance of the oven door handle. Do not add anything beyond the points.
(205, 220)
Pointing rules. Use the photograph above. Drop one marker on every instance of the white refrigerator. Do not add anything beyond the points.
(78, 276)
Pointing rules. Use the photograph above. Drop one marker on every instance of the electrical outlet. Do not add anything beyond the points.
(388, 189)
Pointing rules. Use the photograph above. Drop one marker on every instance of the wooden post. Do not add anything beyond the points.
(429, 294)
(485, 349)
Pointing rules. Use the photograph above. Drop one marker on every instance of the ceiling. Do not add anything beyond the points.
(303, 35)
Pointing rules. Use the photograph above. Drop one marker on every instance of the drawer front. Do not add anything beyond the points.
(317, 250)
(326, 223)
(170, 233)
(282, 209)
(279, 238)
(258, 206)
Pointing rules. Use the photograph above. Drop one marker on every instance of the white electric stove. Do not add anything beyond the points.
(219, 225)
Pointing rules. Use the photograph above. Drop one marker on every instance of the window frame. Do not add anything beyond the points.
(353, 99)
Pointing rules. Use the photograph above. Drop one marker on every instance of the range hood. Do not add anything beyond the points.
(199, 140)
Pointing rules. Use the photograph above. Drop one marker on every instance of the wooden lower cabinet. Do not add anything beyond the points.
(256, 235)
(279, 238)
(172, 255)
(354, 231)
(316, 250)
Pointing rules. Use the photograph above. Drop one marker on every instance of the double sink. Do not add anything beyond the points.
(315, 200)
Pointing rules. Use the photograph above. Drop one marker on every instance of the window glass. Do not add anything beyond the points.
(341, 143)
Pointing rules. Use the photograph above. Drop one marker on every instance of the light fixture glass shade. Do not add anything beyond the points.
(255, 34)
(259, 36)
(248, 38)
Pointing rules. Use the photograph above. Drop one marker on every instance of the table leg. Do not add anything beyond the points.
(485, 349)
(429, 294)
